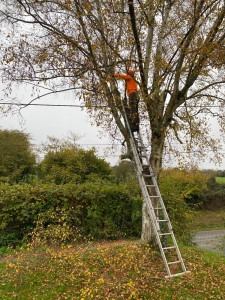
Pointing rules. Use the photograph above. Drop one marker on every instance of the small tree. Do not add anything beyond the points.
(17, 159)
(66, 162)
(124, 172)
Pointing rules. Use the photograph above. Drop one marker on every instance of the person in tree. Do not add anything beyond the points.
(132, 107)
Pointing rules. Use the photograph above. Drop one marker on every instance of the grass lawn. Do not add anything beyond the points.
(107, 270)
(207, 219)
(220, 180)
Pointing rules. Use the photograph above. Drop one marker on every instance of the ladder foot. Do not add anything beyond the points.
(177, 274)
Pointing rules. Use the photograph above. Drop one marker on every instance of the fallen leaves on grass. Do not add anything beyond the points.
(119, 270)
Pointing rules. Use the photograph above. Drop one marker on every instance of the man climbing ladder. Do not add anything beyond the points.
(132, 108)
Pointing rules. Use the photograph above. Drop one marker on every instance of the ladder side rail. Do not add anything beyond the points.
(178, 253)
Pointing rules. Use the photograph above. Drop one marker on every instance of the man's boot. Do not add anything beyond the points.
(127, 155)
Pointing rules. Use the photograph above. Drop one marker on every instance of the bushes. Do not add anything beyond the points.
(214, 197)
(189, 185)
(100, 209)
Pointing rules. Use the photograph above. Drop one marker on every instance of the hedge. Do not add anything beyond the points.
(102, 210)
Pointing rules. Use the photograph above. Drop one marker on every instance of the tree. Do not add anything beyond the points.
(66, 162)
(16, 156)
(175, 46)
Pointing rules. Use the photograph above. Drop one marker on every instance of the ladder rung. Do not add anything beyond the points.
(168, 233)
(174, 262)
(151, 185)
(163, 220)
(166, 248)
(154, 197)
(157, 208)
(147, 175)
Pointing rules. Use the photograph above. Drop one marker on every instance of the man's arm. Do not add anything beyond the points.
(122, 76)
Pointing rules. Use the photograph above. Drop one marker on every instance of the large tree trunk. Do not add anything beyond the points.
(147, 230)
(156, 163)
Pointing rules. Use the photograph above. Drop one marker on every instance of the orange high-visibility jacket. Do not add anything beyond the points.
(130, 83)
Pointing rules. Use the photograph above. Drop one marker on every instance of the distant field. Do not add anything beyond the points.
(220, 180)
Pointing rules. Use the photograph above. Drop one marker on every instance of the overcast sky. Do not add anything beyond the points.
(41, 122)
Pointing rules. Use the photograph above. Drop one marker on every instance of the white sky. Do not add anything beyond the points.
(41, 122)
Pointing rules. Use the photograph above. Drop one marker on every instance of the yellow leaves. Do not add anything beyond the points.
(131, 284)
(101, 280)
(87, 293)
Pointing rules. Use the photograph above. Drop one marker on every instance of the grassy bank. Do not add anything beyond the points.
(120, 270)
(208, 220)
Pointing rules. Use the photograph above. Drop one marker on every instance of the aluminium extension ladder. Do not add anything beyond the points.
(161, 224)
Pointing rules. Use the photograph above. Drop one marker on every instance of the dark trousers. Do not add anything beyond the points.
(132, 112)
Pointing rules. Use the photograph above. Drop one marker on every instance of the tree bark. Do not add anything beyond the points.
(147, 233)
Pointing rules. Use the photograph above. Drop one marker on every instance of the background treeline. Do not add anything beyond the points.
(72, 194)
